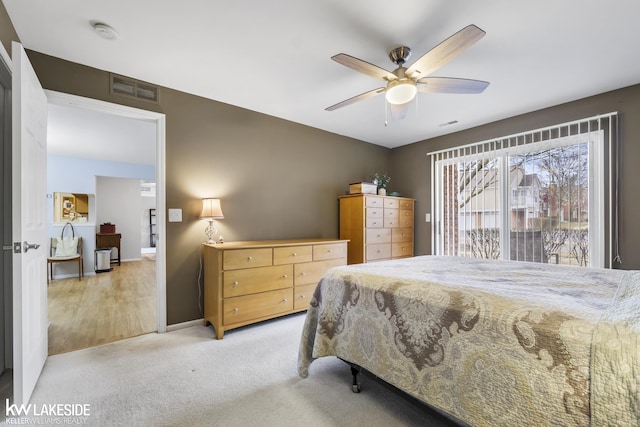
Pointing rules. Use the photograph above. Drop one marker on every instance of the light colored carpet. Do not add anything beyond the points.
(187, 378)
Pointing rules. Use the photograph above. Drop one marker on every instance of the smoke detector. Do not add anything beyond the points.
(104, 31)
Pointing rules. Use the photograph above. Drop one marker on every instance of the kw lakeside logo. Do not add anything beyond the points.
(47, 414)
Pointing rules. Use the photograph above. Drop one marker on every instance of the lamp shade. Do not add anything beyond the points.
(211, 209)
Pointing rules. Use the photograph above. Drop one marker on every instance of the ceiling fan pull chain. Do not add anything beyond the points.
(386, 113)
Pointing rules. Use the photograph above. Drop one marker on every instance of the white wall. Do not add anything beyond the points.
(118, 201)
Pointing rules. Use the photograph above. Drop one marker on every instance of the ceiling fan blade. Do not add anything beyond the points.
(445, 51)
(356, 99)
(451, 85)
(363, 67)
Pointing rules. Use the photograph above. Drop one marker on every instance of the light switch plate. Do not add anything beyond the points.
(175, 215)
(427, 217)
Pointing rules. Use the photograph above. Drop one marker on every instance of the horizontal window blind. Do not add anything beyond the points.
(533, 196)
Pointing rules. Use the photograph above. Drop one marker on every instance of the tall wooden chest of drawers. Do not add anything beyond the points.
(247, 282)
(378, 227)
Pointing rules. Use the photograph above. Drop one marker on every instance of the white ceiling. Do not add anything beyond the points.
(274, 57)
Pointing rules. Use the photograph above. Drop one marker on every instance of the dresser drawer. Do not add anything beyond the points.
(391, 222)
(378, 235)
(249, 307)
(329, 251)
(378, 251)
(401, 235)
(406, 204)
(404, 249)
(242, 282)
(302, 295)
(311, 272)
(406, 213)
(373, 202)
(391, 203)
(374, 212)
(374, 222)
(405, 222)
(246, 258)
(292, 254)
(392, 213)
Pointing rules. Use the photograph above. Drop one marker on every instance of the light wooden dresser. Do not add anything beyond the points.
(378, 227)
(247, 282)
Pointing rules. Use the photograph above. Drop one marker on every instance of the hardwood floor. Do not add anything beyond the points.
(103, 308)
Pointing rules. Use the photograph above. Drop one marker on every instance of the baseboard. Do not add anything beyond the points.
(183, 325)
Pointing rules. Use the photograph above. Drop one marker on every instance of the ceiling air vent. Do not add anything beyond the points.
(134, 89)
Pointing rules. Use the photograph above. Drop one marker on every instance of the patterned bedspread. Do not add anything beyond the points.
(493, 343)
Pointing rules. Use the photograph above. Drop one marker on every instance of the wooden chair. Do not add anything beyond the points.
(52, 259)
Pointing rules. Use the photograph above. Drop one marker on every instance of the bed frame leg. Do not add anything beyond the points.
(355, 386)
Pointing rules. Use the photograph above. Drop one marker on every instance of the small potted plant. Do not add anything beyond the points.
(381, 180)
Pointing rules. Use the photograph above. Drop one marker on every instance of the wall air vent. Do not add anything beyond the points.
(134, 89)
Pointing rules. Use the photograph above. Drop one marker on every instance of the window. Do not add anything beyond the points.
(540, 196)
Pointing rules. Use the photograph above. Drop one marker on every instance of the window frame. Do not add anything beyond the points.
(596, 180)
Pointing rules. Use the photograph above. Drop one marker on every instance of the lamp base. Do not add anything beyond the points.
(211, 231)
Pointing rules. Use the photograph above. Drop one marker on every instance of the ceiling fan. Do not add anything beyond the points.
(403, 83)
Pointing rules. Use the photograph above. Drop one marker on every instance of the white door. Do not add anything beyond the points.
(29, 226)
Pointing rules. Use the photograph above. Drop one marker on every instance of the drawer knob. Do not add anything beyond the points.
(235, 283)
(284, 300)
(379, 251)
(330, 251)
(235, 310)
(249, 258)
(303, 274)
(301, 296)
(295, 254)
(285, 276)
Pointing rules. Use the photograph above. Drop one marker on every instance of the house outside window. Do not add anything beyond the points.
(542, 200)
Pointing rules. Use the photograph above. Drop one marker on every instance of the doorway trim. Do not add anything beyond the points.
(6, 237)
(65, 99)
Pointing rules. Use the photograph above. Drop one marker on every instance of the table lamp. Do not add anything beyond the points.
(211, 211)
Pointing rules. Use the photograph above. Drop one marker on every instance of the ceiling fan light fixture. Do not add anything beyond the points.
(401, 92)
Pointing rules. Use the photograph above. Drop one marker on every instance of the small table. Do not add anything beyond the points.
(108, 241)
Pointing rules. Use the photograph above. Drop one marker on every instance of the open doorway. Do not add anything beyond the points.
(89, 228)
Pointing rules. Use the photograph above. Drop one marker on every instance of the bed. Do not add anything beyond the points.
(491, 343)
